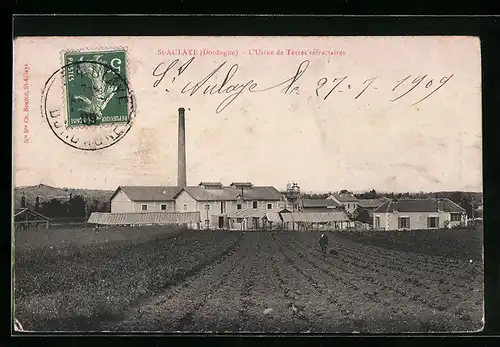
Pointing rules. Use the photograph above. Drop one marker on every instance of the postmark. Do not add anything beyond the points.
(88, 103)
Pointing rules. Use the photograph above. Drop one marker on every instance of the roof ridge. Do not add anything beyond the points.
(454, 203)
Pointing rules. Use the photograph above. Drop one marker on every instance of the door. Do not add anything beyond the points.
(255, 222)
(221, 222)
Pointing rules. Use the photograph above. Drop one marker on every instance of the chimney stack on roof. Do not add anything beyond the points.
(181, 159)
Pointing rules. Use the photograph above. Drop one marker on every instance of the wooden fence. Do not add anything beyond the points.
(55, 223)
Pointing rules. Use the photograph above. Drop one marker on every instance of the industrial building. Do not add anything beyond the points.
(212, 205)
(209, 205)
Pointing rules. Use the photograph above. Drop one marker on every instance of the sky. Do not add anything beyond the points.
(318, 132)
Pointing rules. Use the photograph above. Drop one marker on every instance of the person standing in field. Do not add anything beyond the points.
(323, 242)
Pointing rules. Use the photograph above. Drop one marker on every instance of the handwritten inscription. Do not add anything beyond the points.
(418, 87)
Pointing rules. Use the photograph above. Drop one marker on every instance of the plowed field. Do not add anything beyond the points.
(254, 282)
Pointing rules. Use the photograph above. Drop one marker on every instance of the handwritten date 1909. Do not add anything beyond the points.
(324, 87)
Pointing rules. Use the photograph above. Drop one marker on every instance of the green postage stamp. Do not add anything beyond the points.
(96, 88)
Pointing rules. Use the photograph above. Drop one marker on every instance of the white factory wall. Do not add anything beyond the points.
(122, 204)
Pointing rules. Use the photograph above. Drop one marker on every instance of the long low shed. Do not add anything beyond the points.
(314, 217)
(160, 218)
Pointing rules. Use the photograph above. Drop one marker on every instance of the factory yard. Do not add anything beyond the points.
(223, 281)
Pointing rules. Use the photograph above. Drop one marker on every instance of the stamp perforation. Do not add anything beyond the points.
(88, 137)
(96, 49)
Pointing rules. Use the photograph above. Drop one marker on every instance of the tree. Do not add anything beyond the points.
(94, 206)
(23, 201)
(76, 207)
(37, 204)
(372, 194)
(362, 215)
(54, 208)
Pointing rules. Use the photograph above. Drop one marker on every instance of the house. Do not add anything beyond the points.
(141, 199)
(349, 201)
(318, 205)
(417, 214)
(367, 206)
(211, 200)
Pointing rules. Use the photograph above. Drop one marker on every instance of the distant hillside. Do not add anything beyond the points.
(47, 193)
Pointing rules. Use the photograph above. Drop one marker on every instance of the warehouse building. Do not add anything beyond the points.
(209, 205)
(334, 220)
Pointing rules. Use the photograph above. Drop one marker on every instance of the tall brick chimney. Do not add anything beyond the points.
(181, 159)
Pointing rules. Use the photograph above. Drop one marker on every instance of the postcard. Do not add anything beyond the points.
(247, 184)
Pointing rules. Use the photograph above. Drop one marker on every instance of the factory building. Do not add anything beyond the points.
(209, 205)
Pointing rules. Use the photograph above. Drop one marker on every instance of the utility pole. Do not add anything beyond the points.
(207, 221)
(85, 204)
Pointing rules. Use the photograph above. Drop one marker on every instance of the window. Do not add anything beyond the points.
(144, 207)
(377, 221)
(163, 207)
(238, 207)
(455, 217)
(432, 222)
(404, 222)
(222, 206)
(185, 206)
(269, 206)
(207, 207)
(255, 204)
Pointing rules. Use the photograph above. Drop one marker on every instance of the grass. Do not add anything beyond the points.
(77, 237)
(87, 279)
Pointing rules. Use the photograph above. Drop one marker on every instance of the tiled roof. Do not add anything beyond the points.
(199, 193)
(20, 211)
(370, 203)
(241, 184)
(315, 217)
(248, 212)
(261, 193)
(222, 194)
(210, 184)
(273, 217)
(319, 203)
(345, 197)
(320, 209)
(420, 205)
(231, 194)
(145, 193)
(143, 218)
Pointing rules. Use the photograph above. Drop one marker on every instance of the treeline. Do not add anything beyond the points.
(76, 207)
